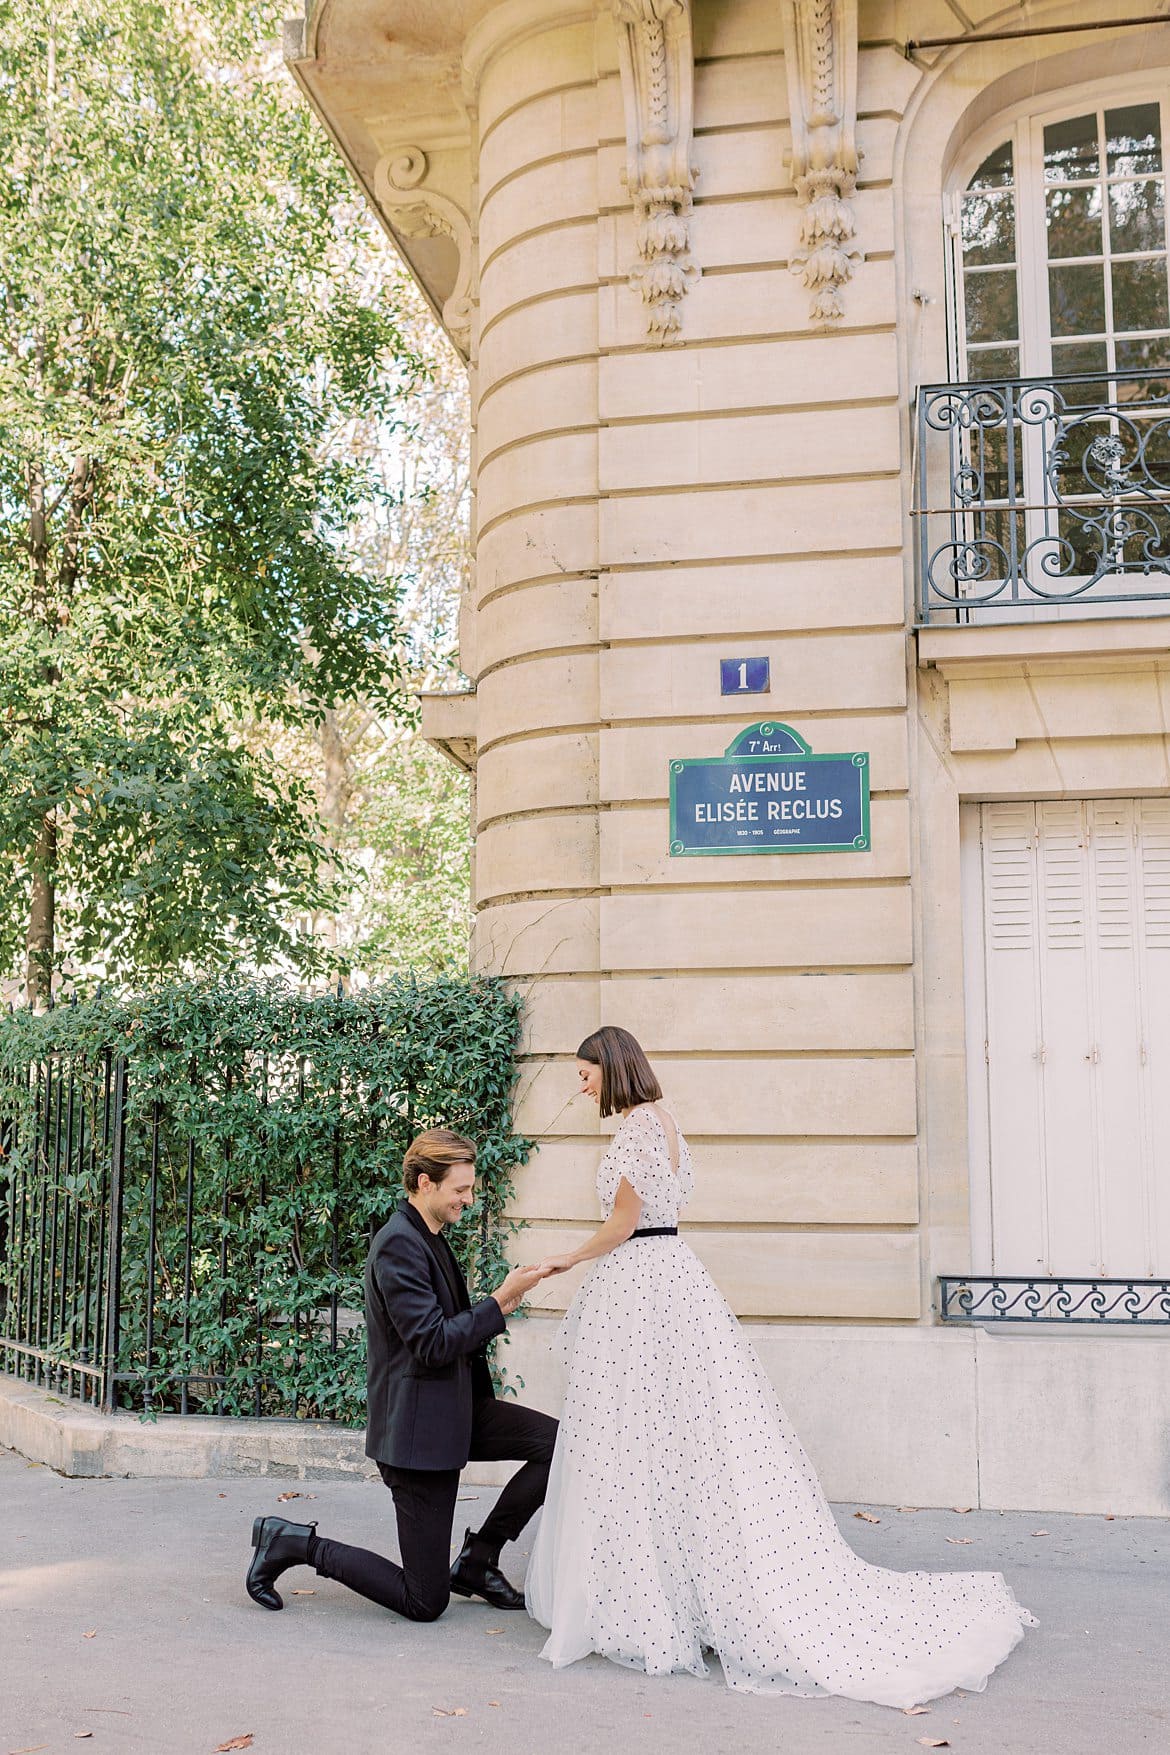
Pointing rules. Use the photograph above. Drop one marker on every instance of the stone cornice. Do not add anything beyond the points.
(820, 55)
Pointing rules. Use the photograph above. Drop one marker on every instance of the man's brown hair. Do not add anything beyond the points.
(433, 1154)
(627, 1077)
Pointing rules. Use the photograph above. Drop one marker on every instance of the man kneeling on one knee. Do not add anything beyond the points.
(431, 1408)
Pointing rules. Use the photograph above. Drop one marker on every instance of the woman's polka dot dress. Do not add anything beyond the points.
(683, 1516)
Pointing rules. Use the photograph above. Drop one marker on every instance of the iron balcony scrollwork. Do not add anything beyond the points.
(1009, 1298)
(1042, 495)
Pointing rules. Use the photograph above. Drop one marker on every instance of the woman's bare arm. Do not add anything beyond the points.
(618, 1228)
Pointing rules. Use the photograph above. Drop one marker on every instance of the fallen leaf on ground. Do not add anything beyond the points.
(83, 1733)
(490, 1630)
(221, 1496)
(283, 1498)
(92, 1634)
(493, 1703)
(907, 1508)
(1109, 1517)
(244, 1742)
(934, 1742)
(960, 1541)
(915, 1711)
(449, 1711)
(961, 1509)
(868, 1516)
(304, 1593)
(463, 1498)
(1041, 1532)
(29, 1748)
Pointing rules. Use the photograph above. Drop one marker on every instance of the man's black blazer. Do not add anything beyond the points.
(425, 1364)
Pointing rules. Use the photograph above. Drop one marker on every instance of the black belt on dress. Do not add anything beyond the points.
(655, 1231)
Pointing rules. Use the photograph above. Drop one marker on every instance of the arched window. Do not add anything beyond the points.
(1046, 490)
(1061, 260)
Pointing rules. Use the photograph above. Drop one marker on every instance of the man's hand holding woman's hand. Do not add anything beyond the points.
(517, 1286)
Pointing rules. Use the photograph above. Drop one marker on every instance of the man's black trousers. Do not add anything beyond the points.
(424, 1502)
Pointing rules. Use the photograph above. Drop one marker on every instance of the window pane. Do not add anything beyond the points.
(1133, 140)
(989, 229)
(1139, 295)
(1152, 356)
(1137, 217)
(1147, 354)
(1081, 356)
(985, 365)
(996, 170)
(1077, 299)
(991, 305)
(1074, 221)
(1071, 151)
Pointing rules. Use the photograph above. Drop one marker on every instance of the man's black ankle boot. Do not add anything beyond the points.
(476, 1573)
(279, 1545)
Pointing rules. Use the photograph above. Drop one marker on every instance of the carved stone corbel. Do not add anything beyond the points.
(419, 212)
(657, 63)
(820, 53)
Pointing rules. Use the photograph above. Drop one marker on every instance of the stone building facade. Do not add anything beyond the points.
(704, 259)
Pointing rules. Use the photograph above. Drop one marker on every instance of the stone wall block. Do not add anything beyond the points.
(558, 259)
(758, 929)
(544, 470)
(543, 333)
(557, 851)
(537, 773)
(755, 599)
(537, 618)
(558, 935)
(736, 448)
(673, 1014)
(538, 692)
(545, 195)
(809, 672)
(794, 372)
(551, 542)
(720, 523)
(550, 125)
(549, 399)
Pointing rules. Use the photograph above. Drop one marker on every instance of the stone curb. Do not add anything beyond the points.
(77, 1440)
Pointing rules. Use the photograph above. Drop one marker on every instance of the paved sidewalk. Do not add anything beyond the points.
(122, 1613)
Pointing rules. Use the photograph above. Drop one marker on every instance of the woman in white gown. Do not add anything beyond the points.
(682, 1515)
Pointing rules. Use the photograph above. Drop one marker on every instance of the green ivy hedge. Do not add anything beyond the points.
(263, 1139)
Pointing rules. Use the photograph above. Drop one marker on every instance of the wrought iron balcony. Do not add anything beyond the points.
(1041, 498)
(1010, 1298)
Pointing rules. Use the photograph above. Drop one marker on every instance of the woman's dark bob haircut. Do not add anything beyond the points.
(627, 1078)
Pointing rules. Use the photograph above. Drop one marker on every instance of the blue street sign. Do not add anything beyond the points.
(770, 794)
(744, 676)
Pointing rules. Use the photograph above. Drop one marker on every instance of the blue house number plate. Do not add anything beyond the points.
(744, 676)
(770, 794)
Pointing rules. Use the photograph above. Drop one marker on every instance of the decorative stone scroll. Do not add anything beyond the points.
(820, 53)
(419, 212)
(658, 78)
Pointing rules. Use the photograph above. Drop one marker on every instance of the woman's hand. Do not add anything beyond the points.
(557, 1264)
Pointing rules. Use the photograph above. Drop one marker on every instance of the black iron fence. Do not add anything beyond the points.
(184, 1217)
(1017, 1298)
(1043, 496)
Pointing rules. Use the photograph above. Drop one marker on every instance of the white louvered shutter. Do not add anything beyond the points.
(1077, 937)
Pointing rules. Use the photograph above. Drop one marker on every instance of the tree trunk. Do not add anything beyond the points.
(42, 914)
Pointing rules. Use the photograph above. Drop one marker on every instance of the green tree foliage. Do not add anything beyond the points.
(281, 1125)
(190, 340)
(396, 812)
